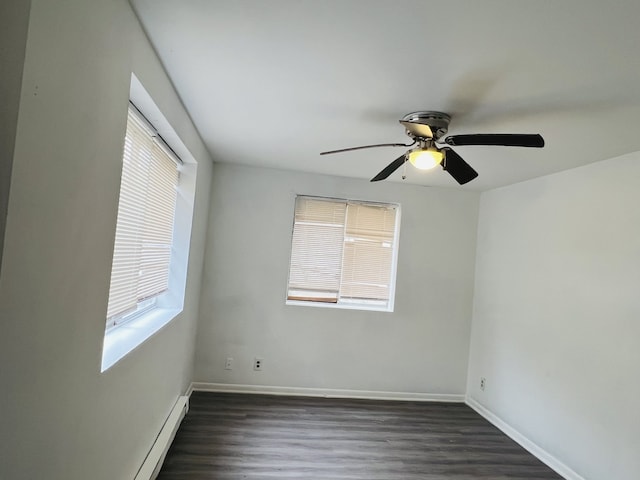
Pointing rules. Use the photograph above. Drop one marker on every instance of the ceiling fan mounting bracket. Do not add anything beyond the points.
(437, 121)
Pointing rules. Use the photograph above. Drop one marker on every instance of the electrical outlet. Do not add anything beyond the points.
(483, 383)
(228, 363)
(258, 363)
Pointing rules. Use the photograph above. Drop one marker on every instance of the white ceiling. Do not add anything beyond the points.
(273, 83)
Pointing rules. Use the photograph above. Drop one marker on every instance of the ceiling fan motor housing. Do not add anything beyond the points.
(438, 122)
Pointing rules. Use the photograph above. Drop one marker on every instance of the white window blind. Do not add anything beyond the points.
(316, 253)
(144, 231)
(342, 252)
(368, 252)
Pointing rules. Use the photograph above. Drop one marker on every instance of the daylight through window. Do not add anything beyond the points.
(343, 253)
(144, 231)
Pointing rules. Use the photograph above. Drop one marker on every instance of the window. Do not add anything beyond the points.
(343, 253)
(152, 230)
(144, 231)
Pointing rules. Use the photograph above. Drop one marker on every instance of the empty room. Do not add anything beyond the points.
(331, 239)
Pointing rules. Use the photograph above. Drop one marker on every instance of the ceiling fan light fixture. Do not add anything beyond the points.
(425, 158)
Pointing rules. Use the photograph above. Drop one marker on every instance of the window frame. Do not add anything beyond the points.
(351, 304)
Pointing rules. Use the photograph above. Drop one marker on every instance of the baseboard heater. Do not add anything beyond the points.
(153, 463)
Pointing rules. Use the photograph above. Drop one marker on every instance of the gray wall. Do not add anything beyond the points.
(61, 418)
(555, 326)
(14, 21)
(422, 347)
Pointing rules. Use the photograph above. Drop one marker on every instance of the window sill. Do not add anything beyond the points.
(121, 340)
(342, 306)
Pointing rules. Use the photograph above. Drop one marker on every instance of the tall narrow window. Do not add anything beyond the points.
(144, 231)
(343, 253)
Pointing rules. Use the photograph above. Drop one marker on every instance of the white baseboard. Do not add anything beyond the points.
(325, 392)
(189, 390)
(537, 451)
(152, 464)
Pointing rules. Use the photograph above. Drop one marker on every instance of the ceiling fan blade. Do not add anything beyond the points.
(498, 139)
(460, 170)
(389, 169)
(350, 149)
(418, 129)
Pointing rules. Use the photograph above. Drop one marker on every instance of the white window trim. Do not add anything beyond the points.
(342, 306)
(350, 305)
(125, 337)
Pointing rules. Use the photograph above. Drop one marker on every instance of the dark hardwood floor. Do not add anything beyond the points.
(256, 437)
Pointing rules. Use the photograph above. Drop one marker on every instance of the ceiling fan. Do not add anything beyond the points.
(427, 129)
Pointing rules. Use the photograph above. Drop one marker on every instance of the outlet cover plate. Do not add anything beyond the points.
(258, 364)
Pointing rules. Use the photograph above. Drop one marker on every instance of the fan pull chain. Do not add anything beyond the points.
(404, 169)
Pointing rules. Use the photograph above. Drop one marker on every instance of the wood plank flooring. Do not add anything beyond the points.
(260, 437)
